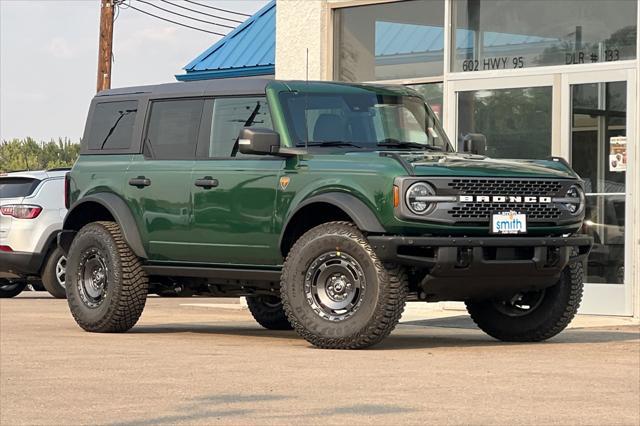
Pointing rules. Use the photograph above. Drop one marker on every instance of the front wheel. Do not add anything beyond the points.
(532, 316)
(336, 292)
(106, 285)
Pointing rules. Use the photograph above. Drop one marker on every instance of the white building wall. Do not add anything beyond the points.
(301, 25)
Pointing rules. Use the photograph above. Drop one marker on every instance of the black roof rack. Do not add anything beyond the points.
(58, 169)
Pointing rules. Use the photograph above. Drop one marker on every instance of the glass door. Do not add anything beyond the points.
(600, 136)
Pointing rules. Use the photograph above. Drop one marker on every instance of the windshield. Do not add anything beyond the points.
(362, 120)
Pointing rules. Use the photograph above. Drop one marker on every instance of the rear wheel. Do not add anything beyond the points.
(268, 312)
(106, 285)
(10, 288)
(54, 274)
(336, 292)
(532, 316)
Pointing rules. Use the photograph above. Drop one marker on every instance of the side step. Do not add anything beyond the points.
(216, 273)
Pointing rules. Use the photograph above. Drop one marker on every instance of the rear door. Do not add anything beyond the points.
(158, 182)
(233, 219)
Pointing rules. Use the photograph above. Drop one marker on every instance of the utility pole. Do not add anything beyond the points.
(105, 45)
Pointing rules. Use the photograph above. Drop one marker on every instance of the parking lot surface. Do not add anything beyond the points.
(198, 361)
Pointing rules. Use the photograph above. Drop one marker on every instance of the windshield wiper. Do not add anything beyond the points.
(331, 143)
(405, 144)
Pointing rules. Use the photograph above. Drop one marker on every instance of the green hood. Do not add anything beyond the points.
(457, 164)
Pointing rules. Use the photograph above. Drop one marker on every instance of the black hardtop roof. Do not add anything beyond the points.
(222, 86)
(229, 86)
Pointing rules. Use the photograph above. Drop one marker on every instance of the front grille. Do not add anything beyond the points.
(483, 211)
(522, 187)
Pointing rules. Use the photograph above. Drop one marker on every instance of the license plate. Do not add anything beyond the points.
(508, 223)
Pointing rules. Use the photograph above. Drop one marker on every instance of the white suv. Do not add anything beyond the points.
(31, 213)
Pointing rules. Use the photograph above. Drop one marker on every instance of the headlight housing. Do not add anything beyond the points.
(415, 198)
(574, 200)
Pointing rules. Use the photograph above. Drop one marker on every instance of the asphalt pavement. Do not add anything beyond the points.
(205, 361)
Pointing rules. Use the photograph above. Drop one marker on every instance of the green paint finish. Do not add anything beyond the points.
(241, 220)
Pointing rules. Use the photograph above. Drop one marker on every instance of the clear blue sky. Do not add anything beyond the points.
(48, 58)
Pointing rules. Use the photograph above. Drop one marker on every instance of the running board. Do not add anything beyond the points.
(219, 273)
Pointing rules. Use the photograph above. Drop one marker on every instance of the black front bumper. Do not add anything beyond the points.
(21, 263)
(452, 268)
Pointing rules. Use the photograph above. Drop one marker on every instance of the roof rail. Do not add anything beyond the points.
(58, 169)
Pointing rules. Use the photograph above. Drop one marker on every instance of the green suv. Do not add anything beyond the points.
(326, 205)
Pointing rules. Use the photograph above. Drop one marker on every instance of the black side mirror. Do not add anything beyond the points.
(258, 141)
(474, 143)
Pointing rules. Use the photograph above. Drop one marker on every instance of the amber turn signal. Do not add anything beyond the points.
(396, 196)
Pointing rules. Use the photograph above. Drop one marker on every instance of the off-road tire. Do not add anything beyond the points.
(555, 312)
(9, 288)
(382, 304)
(127, 283)
(48, 276)
(268, 312)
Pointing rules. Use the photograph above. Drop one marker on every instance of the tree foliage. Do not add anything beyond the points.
(28, 154)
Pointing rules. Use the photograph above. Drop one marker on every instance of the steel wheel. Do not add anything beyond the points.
(520, 304)
(334, 286)
(92, 278)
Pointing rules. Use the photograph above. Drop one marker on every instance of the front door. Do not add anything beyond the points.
(234, 195)
(601, 150)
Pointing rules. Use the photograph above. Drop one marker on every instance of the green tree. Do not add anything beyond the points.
(28, 154)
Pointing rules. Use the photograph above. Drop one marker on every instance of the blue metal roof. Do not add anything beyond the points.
(248, 50)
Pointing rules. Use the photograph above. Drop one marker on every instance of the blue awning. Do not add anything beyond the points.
(248, 50)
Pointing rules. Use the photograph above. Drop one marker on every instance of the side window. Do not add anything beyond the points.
(229, 116)
(112, 125)
(172, 131)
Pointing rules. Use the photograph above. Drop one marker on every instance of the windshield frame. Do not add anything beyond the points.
(402, 92)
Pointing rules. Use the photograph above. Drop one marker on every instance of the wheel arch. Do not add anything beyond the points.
(328, 207)
(102, 206)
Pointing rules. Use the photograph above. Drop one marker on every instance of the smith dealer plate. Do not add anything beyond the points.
(508, 223)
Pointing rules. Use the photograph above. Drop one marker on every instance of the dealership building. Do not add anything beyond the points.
(537, 78)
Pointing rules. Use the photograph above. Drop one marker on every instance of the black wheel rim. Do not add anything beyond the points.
(521, 304)
(334, 286)
(92, 278)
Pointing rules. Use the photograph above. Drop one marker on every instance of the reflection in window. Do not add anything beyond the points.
(173, 128)
(389, 41)
(516, 122)
(500, 34)
(230, 115)
(432, 93)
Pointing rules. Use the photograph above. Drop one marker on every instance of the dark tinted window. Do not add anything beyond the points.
(173, 128)
(112, 125)
(13, 187)
(229, 116)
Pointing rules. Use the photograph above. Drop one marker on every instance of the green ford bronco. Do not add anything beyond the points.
(327, 205)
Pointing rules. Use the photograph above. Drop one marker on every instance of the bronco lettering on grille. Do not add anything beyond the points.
(503, 199)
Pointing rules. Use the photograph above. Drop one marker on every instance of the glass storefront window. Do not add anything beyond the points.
(516, 122)
(432, 93)
(506, 34)
(389, 41)
(599, 156)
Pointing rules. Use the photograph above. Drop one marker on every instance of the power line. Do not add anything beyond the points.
(202, 13)
(174, 22)
(217, 8)
(184, 16)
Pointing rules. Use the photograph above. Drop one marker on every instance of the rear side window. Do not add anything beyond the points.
(14, 187)
(230, 115)
(112, 125)
(172, 132)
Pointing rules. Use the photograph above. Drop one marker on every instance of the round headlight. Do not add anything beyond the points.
(576, 205)
(414, 197)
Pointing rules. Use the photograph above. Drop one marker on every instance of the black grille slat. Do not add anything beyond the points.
(483, 211)
(524, 187)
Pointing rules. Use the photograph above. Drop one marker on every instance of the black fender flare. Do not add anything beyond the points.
(121, 214)
(357, 210)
